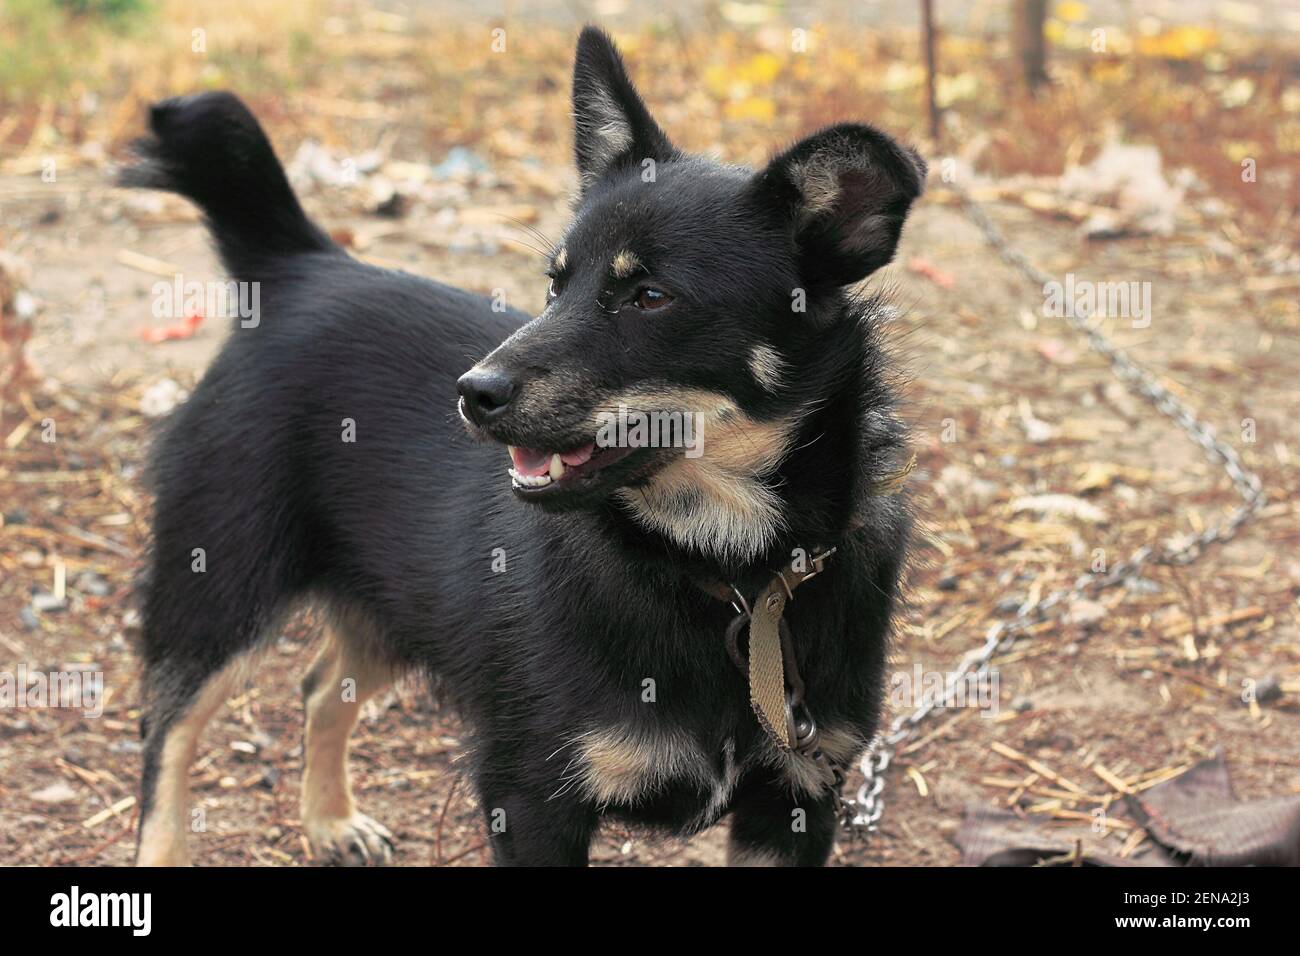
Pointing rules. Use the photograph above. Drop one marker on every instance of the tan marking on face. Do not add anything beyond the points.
(732, 441)
(164, 828)
(706, 509)
(767, 366)
(624, 264)
(562, 260)
(715, 503)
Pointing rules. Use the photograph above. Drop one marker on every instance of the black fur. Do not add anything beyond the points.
(402, 524)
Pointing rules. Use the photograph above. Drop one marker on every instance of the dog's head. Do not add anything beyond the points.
(684, 307)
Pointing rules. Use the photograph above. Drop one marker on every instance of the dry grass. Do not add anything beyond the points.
(345, 73)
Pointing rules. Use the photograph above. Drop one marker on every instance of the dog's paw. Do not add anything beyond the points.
(349, 841)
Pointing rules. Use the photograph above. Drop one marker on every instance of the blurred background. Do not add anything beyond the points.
(1135, 142)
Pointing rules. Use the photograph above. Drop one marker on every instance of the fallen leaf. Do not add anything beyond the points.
(1061, 506)
(924, 267)
(184, 329)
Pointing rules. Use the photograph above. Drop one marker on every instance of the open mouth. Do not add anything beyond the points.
(534, 471)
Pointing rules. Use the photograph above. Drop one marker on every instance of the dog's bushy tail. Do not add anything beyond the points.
(210, 149)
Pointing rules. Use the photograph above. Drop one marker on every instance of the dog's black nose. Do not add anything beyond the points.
(486, 394)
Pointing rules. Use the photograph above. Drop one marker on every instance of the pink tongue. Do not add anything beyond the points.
(532, 463)
(579, 456)
(529, 462)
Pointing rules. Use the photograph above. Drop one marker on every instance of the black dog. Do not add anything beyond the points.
(609, 614)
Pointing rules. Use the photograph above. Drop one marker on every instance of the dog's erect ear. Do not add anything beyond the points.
(844, 192)
(612, 128)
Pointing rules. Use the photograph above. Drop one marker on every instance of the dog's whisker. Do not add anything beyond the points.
(527, 245)
(534, 232)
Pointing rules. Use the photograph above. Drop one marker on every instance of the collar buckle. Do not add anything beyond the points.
(818, 562)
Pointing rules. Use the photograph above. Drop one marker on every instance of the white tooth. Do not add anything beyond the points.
(557, 468)
(530, 481)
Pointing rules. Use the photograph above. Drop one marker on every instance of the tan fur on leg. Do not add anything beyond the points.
(163, 831)
(342, 679)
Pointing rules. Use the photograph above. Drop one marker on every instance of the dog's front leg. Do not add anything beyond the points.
(770, 826)
(527, 826)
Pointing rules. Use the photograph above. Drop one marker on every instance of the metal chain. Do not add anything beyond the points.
(864, 813)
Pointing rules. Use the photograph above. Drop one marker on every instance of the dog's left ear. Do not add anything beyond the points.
(612, 127)
(844, 192)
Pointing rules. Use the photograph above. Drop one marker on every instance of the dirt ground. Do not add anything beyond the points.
(1119, 689)
(1007, 405)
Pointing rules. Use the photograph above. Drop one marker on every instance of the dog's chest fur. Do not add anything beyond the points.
(626, 670)
(631, 767)
(642, 770)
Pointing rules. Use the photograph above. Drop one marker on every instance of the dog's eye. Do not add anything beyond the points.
(648, 298)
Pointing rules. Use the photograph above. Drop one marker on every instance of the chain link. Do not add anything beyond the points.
(864, 813)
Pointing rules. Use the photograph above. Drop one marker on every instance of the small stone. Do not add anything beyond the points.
(17, 516)
(1022, 704)
(161, 397)
(88, 582)
(1268, 690)
(1085, 613)
(386, 200)
(459, 163)
(1010, 604)
(25, 305)
(28, 619)
(45, 603)
(948, 582)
